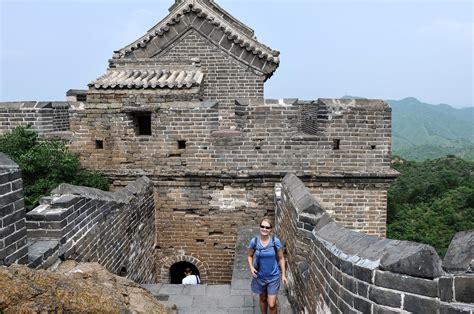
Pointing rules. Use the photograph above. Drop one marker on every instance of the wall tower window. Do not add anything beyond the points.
(182, 144)
(142, 123)
(99, 144)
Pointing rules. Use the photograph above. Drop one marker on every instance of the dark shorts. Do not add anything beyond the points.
(268, 286)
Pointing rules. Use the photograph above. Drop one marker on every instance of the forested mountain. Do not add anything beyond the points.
(422, 131)
(431, 201)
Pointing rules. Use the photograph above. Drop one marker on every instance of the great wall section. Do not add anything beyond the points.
(196, 155)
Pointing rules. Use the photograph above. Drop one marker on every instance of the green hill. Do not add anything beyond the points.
(422, 131)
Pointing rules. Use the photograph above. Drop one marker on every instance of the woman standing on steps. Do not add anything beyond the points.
(266, 260)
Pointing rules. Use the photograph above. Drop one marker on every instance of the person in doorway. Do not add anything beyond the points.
(267, 266)
(190, 279)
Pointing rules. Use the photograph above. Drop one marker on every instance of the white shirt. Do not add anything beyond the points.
(190, 280)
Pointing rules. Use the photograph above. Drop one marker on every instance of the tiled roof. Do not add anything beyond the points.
(214, 15)
(146, 78)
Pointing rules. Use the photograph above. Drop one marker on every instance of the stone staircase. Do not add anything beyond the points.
(235, 298)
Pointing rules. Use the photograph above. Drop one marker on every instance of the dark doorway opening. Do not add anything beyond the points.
(177, 271)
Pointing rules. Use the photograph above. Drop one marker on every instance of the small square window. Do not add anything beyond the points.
(336, 144)
(143, 124)
(99, 144)
(181, 144)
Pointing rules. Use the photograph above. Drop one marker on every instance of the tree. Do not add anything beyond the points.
(431, 201)
(45, 164)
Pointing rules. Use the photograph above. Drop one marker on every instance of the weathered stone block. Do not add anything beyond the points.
(414, 285)
(363, 305)
(65, 201)
(15, 237)
(445, 287)
(4, 232)
(378, 309)
(385, 297)
(363, 273)
(453, 309)
(464, 289)
(420, 305)
(414, 259)
(12, 197)
(460, 252)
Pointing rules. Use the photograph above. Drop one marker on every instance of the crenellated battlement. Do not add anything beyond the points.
(334, 269)
(115, 229)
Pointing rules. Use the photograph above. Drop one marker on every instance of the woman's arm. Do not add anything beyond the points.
(281, 260)
(253, 271)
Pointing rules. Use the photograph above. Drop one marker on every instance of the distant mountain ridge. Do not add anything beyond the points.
(423, 131)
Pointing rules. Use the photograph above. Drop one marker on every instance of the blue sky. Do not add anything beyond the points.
(387, 49)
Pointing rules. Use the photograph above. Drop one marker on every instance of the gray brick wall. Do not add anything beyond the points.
(225, 79)
(45, 117)
(269, 141)
(116, 230)
(333, 269)
(13, 247)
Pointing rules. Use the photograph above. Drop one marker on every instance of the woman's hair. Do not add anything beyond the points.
(188, 270)
(266, 220)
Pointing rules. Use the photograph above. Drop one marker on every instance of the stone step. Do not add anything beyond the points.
(204, 298)
(211, 299)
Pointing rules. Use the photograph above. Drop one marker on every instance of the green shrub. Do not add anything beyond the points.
(45, 164)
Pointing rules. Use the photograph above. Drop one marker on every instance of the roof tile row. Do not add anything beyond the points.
(139, 78)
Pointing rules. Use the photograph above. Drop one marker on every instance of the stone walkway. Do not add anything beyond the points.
(235, 298)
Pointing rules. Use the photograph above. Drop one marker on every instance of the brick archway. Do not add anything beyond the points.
(167, 262)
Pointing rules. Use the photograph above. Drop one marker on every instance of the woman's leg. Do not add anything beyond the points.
(263, 303)
(272, 304)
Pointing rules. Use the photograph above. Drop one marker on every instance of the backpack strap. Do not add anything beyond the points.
(255, 243)
(197, 279)
(274, 247)
(254, 247)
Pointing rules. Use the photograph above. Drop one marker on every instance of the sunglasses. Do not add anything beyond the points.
(266, 227)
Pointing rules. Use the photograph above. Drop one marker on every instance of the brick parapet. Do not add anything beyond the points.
(115, 229)
(13, 244)
(333, 269)
(269, 141)
(45, 117)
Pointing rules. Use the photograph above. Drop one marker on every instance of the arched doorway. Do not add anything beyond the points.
(177, 271)
(168, 261)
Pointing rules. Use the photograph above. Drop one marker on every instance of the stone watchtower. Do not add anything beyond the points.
(184, 106)
(198, 50)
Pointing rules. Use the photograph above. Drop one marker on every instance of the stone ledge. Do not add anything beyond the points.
(460, 253)
(7, 163)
